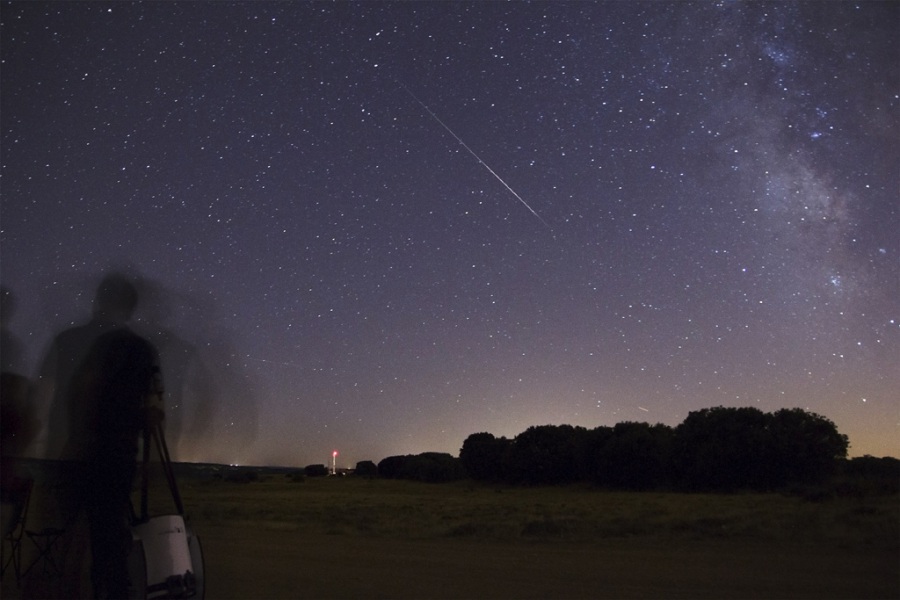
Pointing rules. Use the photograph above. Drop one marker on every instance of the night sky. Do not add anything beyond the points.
(382, 227)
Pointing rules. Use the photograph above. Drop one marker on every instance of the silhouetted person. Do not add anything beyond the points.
(190, 387)
(17, 422)
(104, 375)
(61, 373)
(16, 417)
(10, 346)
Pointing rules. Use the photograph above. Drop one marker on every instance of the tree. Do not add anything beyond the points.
(805, 447)
(431, 467)
(636, 456)
(713, 449)
(390, 467)
(367, 469)
(723, 449)
(594, 463)
(315, 470)
(546, 455)
(482, 455)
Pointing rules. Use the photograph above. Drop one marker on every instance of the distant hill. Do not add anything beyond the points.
(44, 470)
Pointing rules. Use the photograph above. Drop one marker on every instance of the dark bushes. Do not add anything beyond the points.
(430, 467)
(715, 449)
(367, 469)
(315, 470)
(482, 456)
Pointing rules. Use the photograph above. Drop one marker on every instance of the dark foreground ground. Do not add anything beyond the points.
(251, 562)
(248, 562)
(334, 538)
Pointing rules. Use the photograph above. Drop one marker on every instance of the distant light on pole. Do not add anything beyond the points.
(334, 463)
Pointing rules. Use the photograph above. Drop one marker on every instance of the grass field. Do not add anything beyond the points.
(410, 510)
(355, 538)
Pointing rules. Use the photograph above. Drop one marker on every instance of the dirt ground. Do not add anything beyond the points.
(270, 559)
(248, 562)
(244, 561)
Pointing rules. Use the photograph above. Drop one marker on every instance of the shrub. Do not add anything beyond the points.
(366, 469)
(481, 456)
(315, 470)
(430, 467)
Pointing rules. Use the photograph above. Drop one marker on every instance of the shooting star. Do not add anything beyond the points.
(478, 158)
(275, 362)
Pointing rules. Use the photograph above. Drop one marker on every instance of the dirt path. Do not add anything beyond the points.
(247, 562)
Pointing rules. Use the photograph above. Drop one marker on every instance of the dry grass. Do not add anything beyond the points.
(275, 538)
(409, 510)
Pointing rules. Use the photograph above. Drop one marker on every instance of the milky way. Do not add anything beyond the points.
(324, 267)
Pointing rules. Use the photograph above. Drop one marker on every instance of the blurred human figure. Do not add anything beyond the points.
(211, 408)
(10, 346)
(190, 387)
(17, 426)
(103, 374)
(61, 372)
(17, 422)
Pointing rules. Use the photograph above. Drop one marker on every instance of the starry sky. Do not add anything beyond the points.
(381, 227)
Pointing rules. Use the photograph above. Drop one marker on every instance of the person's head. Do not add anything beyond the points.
(116, 298)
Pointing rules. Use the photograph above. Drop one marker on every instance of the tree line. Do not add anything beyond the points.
(713, 449)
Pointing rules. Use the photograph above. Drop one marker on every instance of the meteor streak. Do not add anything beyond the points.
(478, 158)
(275, 362)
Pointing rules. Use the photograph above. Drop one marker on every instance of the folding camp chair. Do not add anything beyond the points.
(16, 498)
(46, 541)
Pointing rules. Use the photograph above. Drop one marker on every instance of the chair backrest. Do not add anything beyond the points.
(16, 498)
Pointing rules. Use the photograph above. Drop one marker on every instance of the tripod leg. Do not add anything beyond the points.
(167, 467)
(145, 477)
